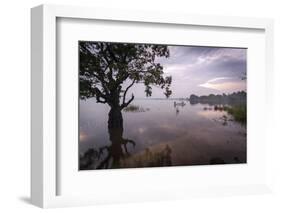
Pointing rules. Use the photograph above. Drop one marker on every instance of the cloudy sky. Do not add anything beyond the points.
(202, 71)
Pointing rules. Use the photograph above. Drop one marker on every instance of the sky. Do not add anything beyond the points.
(201, 71)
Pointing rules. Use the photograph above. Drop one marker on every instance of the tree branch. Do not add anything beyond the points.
(100, 101)
(99, 95)
(108, 47)
(126, 104)
(103, 83)
(125, 92)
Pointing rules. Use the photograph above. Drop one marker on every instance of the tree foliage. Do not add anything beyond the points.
(108, 70)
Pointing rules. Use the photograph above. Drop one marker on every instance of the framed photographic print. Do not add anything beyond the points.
(148, 105)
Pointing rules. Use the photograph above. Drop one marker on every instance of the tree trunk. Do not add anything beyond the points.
(115, 119)
(115, 130)
(116, 151)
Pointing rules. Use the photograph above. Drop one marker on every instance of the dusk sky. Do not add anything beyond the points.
(201, 71)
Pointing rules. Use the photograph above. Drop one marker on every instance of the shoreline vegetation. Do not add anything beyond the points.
(234, 104)
(236, 98)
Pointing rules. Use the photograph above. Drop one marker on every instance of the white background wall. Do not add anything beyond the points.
(15, 104)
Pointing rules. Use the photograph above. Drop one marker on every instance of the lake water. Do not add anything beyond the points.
(162, 134)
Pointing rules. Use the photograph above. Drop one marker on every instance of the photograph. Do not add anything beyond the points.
(159, 105)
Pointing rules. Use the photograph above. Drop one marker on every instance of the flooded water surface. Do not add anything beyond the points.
(160, 132)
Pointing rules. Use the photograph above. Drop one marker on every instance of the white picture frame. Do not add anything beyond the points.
(44, 154)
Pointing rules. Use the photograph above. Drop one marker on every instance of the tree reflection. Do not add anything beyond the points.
(117, 154)
(107, 156)
(117, 151)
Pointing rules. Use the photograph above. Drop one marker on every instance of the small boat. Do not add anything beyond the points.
(182, 104)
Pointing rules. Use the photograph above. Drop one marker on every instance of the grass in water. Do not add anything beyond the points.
(239, 113)
(135, 108)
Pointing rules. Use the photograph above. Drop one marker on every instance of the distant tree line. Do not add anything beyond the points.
(212, 99)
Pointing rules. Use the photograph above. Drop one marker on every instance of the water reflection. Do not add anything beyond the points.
(107, 156)
(116, 151)
(168, 134)
(116, 155)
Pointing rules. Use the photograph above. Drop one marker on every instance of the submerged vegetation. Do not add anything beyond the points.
(149, 158)
(239, 113)
(110, 157)
(135, 108)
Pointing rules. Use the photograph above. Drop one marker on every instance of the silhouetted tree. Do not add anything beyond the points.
(109, 70)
